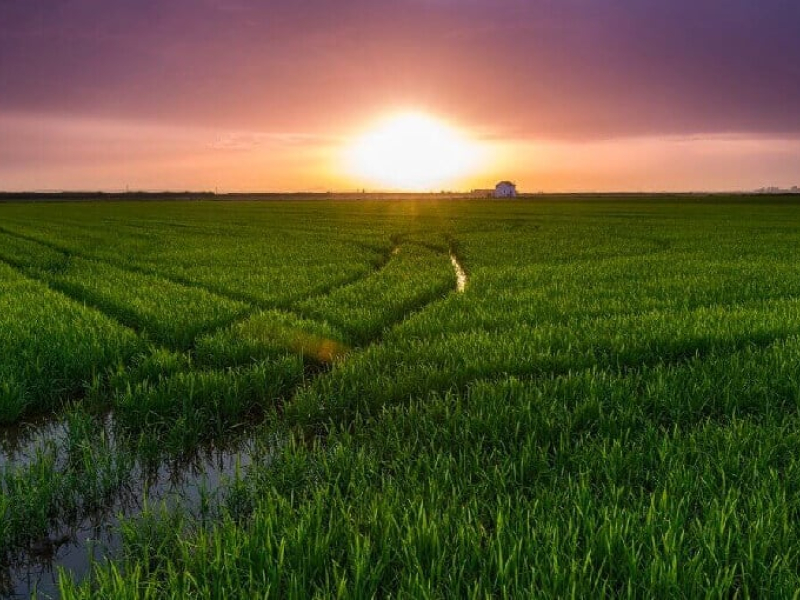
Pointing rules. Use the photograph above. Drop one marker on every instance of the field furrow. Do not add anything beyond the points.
(167, 312)
(548, 397)
(413, 277)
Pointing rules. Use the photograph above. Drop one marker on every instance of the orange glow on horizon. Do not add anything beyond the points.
(76, 153)
(412, 151)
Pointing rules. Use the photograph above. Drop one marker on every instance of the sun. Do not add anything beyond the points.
(413, 152)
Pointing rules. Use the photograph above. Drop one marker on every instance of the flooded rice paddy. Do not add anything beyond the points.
(423, 398)
(193, 483)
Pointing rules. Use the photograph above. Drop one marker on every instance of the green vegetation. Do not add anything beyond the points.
(413, 277)
(74, 473)
(50, 346)
(611, 408)
(168, 312)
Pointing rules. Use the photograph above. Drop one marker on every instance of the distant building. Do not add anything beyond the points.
(505, 189)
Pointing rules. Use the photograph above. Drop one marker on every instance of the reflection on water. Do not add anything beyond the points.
(461, 274)
(19, 442)
(194, 483)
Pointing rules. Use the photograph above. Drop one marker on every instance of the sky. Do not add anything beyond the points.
(249, 95)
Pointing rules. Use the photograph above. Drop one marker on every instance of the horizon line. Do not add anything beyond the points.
(365, 192)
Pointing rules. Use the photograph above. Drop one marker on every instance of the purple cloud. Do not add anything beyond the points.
(567, 69)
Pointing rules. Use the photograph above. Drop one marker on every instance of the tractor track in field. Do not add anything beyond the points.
(187, 282)
(26, 273)
(130, 322)
(387, 255)
(313, 370)
(254, 307)
(461, 280)
(419, 305)
(80, 537)
(120, 317)
(256, 303)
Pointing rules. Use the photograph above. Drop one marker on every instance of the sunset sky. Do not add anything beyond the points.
(246, 95)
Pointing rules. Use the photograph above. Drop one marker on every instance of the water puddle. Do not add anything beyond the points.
(18, 443)
(461, 274)
(194, 483)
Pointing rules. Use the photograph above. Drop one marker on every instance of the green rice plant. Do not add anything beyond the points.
(170, 313)
(412, 278)
(97, 464)
(503, 297)
(574, 485)
(26, 254)
(187, 407)
(61, 482)
(29, 500)
(611, 409)
(50, 346)
(150, 365)
(269, 335)
(14, 399)
(409, 365)
(236, 261)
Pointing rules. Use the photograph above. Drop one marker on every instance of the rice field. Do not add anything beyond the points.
(423, 398)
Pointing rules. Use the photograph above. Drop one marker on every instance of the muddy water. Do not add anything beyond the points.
(461, 274)
(193, 484)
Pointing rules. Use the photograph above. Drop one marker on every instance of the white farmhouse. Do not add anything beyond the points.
(505, 189)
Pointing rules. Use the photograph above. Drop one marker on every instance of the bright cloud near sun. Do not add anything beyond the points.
(412, 151)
